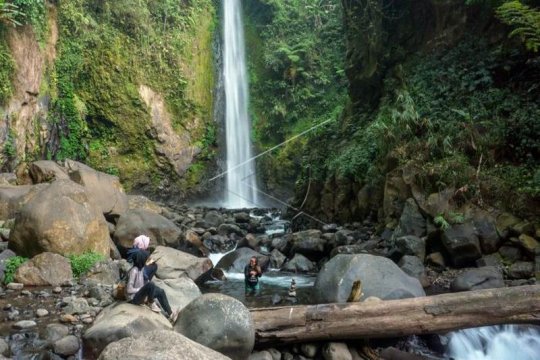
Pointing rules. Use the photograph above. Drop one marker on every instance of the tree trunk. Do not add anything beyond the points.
(393, 318)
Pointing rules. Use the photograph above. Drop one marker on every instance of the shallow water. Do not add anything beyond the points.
(272, 283)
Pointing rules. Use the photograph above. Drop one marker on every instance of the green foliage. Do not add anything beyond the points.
(441, 222)
(12, 264)
(296, 65)
(7, 67)
(9, 13)
(524, 21)
(32, 12)
(80, 264)
(9, 145)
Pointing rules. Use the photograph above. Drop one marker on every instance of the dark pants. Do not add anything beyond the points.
(151, 291)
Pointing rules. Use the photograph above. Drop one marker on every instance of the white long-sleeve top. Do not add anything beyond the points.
(135, 282)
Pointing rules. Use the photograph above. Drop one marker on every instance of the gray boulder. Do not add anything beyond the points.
(380, 277)
(173, 264)
(486, 229)
(4, 257)
(67, 346)
(236, 260)
(277, 259)
(13, 198)
(122, 320)
(299, 263)
(219, 322)
(213, 218)
(159, 345)
(106, 272)
(411, 245)
(60, 219)
(411, 221)
(414, 267)
(42, 171)
(462, 244)
(143, 203)
(133, 223)
(521, 270)
(180, 292)
(44, 269)
(308, 243)
(105, 190)
(487, 277)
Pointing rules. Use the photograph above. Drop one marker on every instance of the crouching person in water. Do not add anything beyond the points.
(139, 290)
(252, 273)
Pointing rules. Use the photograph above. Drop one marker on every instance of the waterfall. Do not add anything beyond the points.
(240, 177)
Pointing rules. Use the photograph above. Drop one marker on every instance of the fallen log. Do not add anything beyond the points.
(393, 318)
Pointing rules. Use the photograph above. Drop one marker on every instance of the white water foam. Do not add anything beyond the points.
(508, 342)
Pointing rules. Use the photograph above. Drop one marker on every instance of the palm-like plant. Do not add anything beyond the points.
(9, 13)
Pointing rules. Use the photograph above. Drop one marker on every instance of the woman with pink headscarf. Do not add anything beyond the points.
(140, 248)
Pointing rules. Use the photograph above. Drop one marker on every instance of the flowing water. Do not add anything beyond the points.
(240, 177)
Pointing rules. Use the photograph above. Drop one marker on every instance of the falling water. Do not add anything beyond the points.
(240, 182)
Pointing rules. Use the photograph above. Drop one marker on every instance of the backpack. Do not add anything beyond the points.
(120, 289)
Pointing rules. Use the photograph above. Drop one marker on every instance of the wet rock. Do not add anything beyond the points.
(55, 332)
(308, 243)
(213, 218)
(66, 346)
(218, 243)
(510, 253)
(281, 244)
(276, 299)
(219, 322)
(392, 353)
(24, 324)
(309, 349)
(486, 230)
(4, 347)
(13, 315)
(414, 267)
(411, 245)
(277, 259)
(524, 227)
(487, 277)
(69, 319)
(411, 221)
(242, 217)
(236, 261)
(299, 263)
(57, 290)
(462, 244)
(158, 345)
(76, 306)
(494, 260)
(226, 229)
(276, 354)
(528, 243)
(336, 351)
(521, 270)
(505, 222)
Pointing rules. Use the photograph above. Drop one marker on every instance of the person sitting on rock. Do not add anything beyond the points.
(252, 273)
(139, 290)
(140, 244)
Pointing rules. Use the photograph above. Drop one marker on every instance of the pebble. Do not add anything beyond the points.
(26, 293)
(24, 324)
(57, 290)
(13, 315)
(41, 312)
(15, 286)
(67, 318)
(66, 346)
(7, 307)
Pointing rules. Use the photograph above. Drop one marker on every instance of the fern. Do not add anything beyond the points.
(524, 20)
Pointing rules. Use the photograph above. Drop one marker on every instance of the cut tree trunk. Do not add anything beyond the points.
(393, 318)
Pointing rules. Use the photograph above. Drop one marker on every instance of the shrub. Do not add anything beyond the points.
(12, 264)
(80, 264)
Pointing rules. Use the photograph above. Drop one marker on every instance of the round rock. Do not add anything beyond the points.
(219, 322)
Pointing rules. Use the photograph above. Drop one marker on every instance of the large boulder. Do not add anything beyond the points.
(486, 277)
(308, 243)
(121, 320)
(13, 198)
(220, 322)
(236, 260)
(159, 345)
(411, 221)
(42, 171)
(133, 223)
(60, 219)
(43, 270)
(299, 263)
(462, 244)
(486, 229)
(173, 264)
(143, 203)
(380, 277)
(105, 190)
(411, 245)
(414, 267)
(106, 272)
(180, 292)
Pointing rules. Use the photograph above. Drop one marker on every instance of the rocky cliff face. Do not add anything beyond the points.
(126, 89)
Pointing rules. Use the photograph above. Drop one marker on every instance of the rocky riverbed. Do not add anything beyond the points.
(48, 313)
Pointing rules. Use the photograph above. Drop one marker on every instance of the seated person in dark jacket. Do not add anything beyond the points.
(140, 244)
